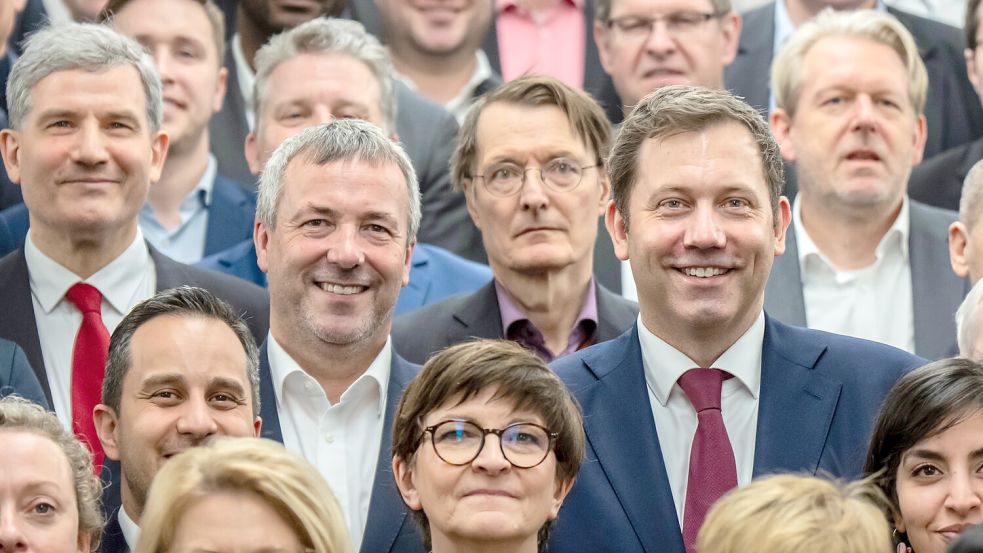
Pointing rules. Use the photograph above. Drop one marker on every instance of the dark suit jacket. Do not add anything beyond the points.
(461, 318)
(819, 395)
(19, 325)
(936, 291)
(953, 109)
(230, 219)
(112, 535)
(939, 181)
(17, 376)
(435, 273)
(426, 131)
(389, 529)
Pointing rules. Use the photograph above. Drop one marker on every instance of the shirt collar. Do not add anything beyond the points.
(784, 26)
(245, 74)
(199, 196)
(283, 369)
(510, 312)
(664, 364)
(894, 240)
(504, 5)
(117, 281)
(482, 72)
(131, 532)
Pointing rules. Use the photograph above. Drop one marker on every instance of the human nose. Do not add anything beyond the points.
(490, 457)
(660, 39)
(162, 61)
(532, 191)
(11, 536)
(965, 493)
(864, 114)
(344, 249)
(196, 419)
(703, 230)
(90, 148)
(322, 115)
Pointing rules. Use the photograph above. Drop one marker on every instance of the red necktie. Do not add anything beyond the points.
(88, 366)
(712, 470)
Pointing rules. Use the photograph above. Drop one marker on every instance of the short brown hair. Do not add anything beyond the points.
(586, 118)
(463, 371)
(602, 8)
(212, 11)
(678, 109)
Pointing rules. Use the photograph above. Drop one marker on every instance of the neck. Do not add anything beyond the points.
(181, 173)
(847, 238)
(133, 508)
(439, 78)
(335, 366)
(84, 252)
(251, 37)
(551, 300)
(446, 544)
(800, 11)
(704, 343)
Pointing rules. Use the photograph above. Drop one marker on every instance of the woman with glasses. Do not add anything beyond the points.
(486, 444)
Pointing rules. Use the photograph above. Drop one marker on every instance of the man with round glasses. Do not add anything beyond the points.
(529, 160)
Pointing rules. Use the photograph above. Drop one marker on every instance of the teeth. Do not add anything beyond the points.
(341, 290)
(704, 272)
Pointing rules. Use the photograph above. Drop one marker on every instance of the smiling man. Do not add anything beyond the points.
(530, 161)
(706, 391)
(863, 259)
(182, 368)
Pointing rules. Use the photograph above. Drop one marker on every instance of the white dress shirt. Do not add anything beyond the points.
(874, 303)
(341, 440)
(131, 532)
(246, 78)
(186, 241)
(675, 418)
(124, 282)
(459, 104)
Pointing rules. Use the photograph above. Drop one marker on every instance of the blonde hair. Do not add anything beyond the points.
(286, 482)
(797, 514)
(882, 28)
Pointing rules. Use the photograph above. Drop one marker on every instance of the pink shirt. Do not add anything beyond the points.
(551, 42)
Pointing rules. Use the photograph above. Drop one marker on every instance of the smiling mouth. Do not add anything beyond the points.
(704, 272)
(342, 289)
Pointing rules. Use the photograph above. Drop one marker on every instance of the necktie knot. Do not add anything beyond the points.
(86, 298)
(702, 387)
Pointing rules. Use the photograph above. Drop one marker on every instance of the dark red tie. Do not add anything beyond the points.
(88, 365)
(712, 470)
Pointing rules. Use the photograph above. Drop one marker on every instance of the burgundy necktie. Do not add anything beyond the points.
(712, 470)
(88, 366)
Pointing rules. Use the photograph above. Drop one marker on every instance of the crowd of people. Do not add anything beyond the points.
(406, 276)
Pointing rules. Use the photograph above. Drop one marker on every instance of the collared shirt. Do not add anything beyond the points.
(124, 282)
(551, 42)
(628, 288)
(341, 440)
(517, 327)
(186, 241)
(131, 532)
(459, 104)
(875, 302)
(675, 418)
(247, 79)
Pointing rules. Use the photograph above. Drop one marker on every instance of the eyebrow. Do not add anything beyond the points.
(367, 216)
(224, 383)
(162, 380)
(930, 455)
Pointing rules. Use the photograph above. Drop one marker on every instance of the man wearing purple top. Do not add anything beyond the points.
(529, 160)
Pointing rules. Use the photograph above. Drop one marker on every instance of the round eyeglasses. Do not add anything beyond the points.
(523, 444)
(506, 179)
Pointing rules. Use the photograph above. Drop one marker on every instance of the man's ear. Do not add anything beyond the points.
(261, 241)
(958, 243)
(617, 228)
(106, 423)
(781, 127)
(782, 222)
(403, 471)
(251, 149)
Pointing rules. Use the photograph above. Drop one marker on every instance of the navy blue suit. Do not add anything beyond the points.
(389, 528)
(819, 395)
(113, 540)
(230, 219)
(17, 376)
(435, 273)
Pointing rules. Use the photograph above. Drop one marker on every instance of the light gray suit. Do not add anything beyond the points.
(936, 291)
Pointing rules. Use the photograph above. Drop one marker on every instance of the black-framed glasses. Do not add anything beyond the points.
(677, 24)
(506, 179)
(523, 444)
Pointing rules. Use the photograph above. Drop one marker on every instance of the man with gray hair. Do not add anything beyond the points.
(706, 391)
(337, 216)
(965, 235)
(863, 259)
(85, 145)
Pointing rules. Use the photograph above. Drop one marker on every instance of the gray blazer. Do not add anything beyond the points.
(953, 110)
(420, 333)
(936, 291)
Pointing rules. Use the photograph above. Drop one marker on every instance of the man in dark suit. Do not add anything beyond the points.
(338, 212)
(85, 161)
(938, 180)
(530, 164)
(862, 259)
(183, 368)
(17, 376)
(425, 129)
(952, 111)
(697, 211)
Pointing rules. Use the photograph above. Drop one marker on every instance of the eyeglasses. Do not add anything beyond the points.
(523, 444)
(506, 179)
(636, 27)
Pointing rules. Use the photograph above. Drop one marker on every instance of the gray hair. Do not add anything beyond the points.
(971, 200)
(342, 139)
(184, 301)
(79, 46)
(968, 321)
(329, 36)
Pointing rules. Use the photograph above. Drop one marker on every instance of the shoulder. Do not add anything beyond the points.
(929, 33)
(448, 265)
(928, 217)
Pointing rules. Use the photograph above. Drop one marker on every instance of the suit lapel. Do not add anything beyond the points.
(618, 419)
(795, 406)
(229, 217)
(414, 294)
(480, 316)
(267, 398)
(19, 324)
(783, 293)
